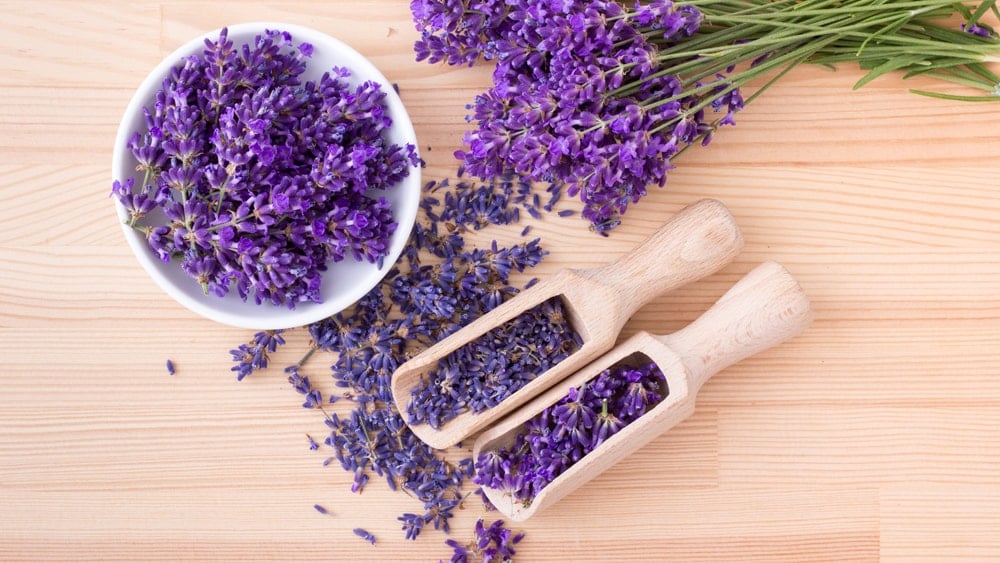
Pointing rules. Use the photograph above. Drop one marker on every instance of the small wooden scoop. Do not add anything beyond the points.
(696, 242)
(763, 309)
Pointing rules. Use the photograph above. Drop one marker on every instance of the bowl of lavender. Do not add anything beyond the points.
(266, 175)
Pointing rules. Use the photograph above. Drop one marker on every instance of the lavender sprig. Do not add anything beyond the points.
(255, 354)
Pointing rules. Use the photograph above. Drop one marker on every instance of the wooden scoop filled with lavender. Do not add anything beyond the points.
(498, 362)
(640, 389)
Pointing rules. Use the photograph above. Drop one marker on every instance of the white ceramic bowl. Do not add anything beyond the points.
(343, 282)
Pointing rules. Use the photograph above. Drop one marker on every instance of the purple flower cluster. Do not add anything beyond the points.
(492, 544)
(559, 436)
(579, 94)
(256, 353)
(484, 372)
(257, 180)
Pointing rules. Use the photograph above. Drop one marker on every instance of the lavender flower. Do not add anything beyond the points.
(365, 535)
(493, 543)
(255, 180)
(978, 30)
(412, 524)
(559, 436)
(255, 354)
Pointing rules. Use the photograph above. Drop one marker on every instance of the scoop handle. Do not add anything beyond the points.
(697, 241)
(765, 308)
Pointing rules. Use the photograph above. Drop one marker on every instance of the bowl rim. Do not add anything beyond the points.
(269, 316)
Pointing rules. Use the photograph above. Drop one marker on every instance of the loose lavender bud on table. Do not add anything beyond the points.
(492, 543)
(365, 535)
(484, 372)
(551, 442)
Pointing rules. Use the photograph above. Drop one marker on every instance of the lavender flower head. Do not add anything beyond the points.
(493, 543)
(256, 180)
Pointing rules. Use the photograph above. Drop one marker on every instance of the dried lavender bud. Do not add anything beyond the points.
(365, 535)
(493, 543)
(438, 286)
(412, 524)
(170, 367)
(321, 509)
(301, 384)
(260, 179)
(559, 436)
(484, 372)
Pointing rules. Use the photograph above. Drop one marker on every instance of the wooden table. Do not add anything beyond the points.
(872, 435)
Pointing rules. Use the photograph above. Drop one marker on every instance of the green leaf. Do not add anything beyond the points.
(954, 97)
(889, 66)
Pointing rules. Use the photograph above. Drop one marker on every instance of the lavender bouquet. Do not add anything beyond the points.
(601, 96)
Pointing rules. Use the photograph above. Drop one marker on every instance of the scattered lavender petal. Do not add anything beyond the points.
(365, 535)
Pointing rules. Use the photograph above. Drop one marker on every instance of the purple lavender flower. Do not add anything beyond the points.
(493, 543)
(255, 354)
(412, 524)
(365, 535)
(263, 179)
(976, 29)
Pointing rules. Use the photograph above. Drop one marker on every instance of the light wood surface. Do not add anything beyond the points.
(873, 435)
(694, 243)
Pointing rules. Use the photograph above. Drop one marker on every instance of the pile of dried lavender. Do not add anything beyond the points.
(552, 441)
(439, 285)
(484, 372)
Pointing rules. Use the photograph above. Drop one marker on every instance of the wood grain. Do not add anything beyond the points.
(871, 436)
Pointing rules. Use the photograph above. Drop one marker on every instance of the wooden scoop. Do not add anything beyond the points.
(763, 309)
(696, 242)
